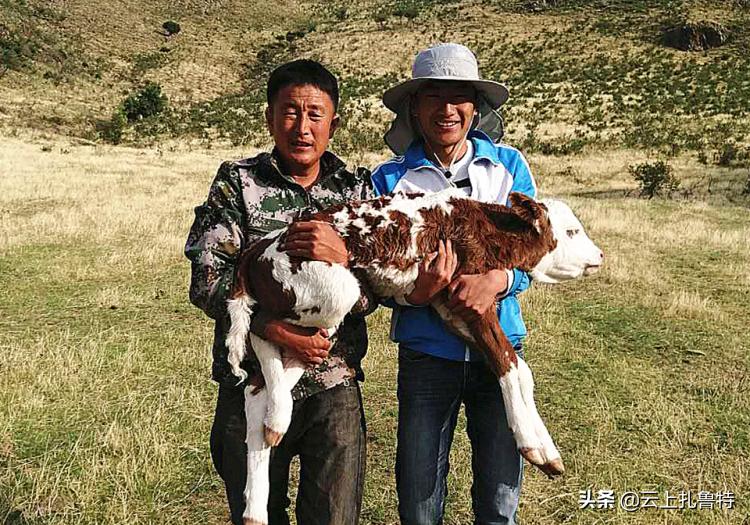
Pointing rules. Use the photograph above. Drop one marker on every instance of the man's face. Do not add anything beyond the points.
(444, 111)
(301, 120)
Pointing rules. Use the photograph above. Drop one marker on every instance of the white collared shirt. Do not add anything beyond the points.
(489, 182)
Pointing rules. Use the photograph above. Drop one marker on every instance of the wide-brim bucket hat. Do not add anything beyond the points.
(452, 62)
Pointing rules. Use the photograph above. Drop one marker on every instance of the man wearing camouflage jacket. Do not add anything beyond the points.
(248, 199)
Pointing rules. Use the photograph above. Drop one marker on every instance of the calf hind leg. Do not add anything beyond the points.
(258, 460)
(280, 404)
(519, 420)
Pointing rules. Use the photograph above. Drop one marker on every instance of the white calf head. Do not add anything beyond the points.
(575, 255)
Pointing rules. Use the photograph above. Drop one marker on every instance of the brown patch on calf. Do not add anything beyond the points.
(255, 278)
(413, 195)
(492, 342)
(389, 244)
(488, 236)
(381, 202)
(437, 226)
(492, 236)
(313, 310)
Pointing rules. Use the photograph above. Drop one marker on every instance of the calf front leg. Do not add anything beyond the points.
(528, 429)
(553, 464)
(279, 385)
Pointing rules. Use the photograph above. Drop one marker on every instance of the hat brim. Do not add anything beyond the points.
(494, 93)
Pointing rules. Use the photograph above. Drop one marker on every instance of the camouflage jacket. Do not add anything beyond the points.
(248, 199)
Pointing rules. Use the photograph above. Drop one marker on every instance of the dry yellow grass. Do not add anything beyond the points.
(75, 194)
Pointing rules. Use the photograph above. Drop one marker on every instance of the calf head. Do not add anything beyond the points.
(575, 254)
(518, 235)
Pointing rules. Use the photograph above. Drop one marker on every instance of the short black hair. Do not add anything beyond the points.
(302, 73)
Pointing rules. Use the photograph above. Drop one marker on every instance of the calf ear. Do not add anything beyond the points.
(517, 199)
(527, 209)
(504, 218)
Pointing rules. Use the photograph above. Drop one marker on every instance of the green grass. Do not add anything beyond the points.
(89, 398)
(105, 398)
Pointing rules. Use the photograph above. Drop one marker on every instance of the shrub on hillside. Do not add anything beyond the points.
(381, 17)
(16, 49)
(695, 36)
(407, 8)
(171, 27)
(112, 129)
(654, 178)
(147, 102)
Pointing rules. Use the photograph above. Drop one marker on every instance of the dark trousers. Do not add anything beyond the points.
(430, 393)
(328, 434)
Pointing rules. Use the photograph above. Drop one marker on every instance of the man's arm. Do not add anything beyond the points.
(215, 242)
(523, 182)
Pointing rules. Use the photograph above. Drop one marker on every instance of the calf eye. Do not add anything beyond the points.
(572, 233)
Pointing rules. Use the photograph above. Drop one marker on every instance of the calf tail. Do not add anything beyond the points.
(240, 310)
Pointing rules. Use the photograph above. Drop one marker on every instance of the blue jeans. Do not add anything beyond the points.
(430, 393)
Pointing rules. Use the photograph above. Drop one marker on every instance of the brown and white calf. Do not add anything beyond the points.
(386, 239)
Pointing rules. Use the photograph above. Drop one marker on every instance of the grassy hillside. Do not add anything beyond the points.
(581, 73)
(79, 60)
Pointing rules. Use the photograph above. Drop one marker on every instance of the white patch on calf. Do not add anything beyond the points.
(516, 411)
(341, 220)
(383, 213)
(526, 379)
(362, 226)
(279, 413)
(329, 288)
(391, 282)
(257, 484)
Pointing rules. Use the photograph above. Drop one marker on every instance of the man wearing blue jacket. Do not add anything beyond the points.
(445, 134)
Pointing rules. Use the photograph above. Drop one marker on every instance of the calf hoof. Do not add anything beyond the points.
(249, 521)
(272, 438)
(533, 456)
(553, 468)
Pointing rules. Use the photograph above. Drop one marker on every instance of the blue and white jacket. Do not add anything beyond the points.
(494, 172)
